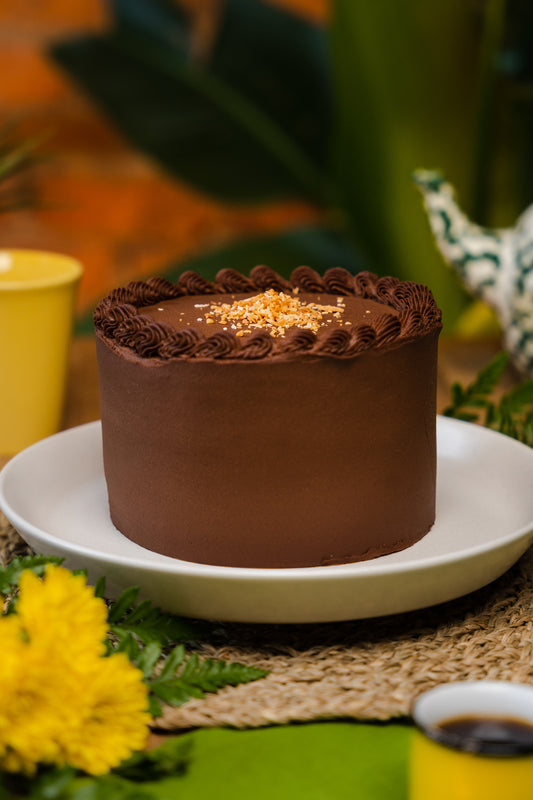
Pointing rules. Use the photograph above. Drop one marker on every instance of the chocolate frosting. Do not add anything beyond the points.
(119, 316)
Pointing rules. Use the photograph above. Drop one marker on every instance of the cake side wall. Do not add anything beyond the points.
(271, 464)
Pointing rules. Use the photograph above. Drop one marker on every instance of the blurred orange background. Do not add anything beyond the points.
(104, 203)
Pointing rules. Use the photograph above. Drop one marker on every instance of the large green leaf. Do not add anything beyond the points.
(281, 64)
(405, 83)
(318, 761)
(252, 123)
(321, 761)
(318, 248)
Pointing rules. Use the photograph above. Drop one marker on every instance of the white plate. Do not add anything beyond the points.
(54, 494)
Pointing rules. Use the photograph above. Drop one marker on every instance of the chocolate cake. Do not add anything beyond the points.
(263, 422)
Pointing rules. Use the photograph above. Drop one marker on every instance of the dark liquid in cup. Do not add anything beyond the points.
(490, 735)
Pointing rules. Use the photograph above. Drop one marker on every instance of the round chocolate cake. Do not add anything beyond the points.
(263, 422)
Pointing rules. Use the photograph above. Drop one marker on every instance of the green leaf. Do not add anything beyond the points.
(155, 708)
(119, 607)
(518, 397)
(457, 394)
(52, 783)
(465, 416)
(10, 575)
(148, 658)
(526, 434)
(319, 248)
(250, 122)
(49, 783)
(170, 758)
(477, 393)
(489, 376)
(401, 71)
(319, 761)
(127, 644)
(139, 612)
(147, 622)
(341, 760)
(512, 416)
(110, 787)
(192, 676)
(99, 587)
(172, 662)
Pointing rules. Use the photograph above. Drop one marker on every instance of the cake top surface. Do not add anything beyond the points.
(264, 315)
(276, 313)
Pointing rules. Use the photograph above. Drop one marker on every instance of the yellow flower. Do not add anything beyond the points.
(34, 702)
(61, 610)
(115, 719)
(61, 700)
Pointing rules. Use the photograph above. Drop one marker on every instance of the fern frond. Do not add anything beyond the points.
(477, 394)
(10, 574)
(148, 623)
(512, 415)
(183, 677)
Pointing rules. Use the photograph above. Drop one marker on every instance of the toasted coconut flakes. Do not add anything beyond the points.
(273, 311)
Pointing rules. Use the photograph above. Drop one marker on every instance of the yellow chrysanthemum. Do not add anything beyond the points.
(62, 610)
(61, 700)
(34, 701)
(115, 720)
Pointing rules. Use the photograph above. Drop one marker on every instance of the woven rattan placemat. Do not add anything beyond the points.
(369, 669)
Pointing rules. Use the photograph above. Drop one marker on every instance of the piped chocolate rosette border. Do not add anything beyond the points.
(119, 315)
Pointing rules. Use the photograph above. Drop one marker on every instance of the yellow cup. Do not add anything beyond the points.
(37, 294)
(451, 765)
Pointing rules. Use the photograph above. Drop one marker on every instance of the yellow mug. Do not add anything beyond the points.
(37, 294)
(473, 740)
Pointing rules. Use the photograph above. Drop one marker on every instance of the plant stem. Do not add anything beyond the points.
(485, 122)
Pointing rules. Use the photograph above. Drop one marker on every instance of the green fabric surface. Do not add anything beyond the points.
(316, 761)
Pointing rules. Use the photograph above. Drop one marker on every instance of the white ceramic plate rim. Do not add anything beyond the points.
(177, 567)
